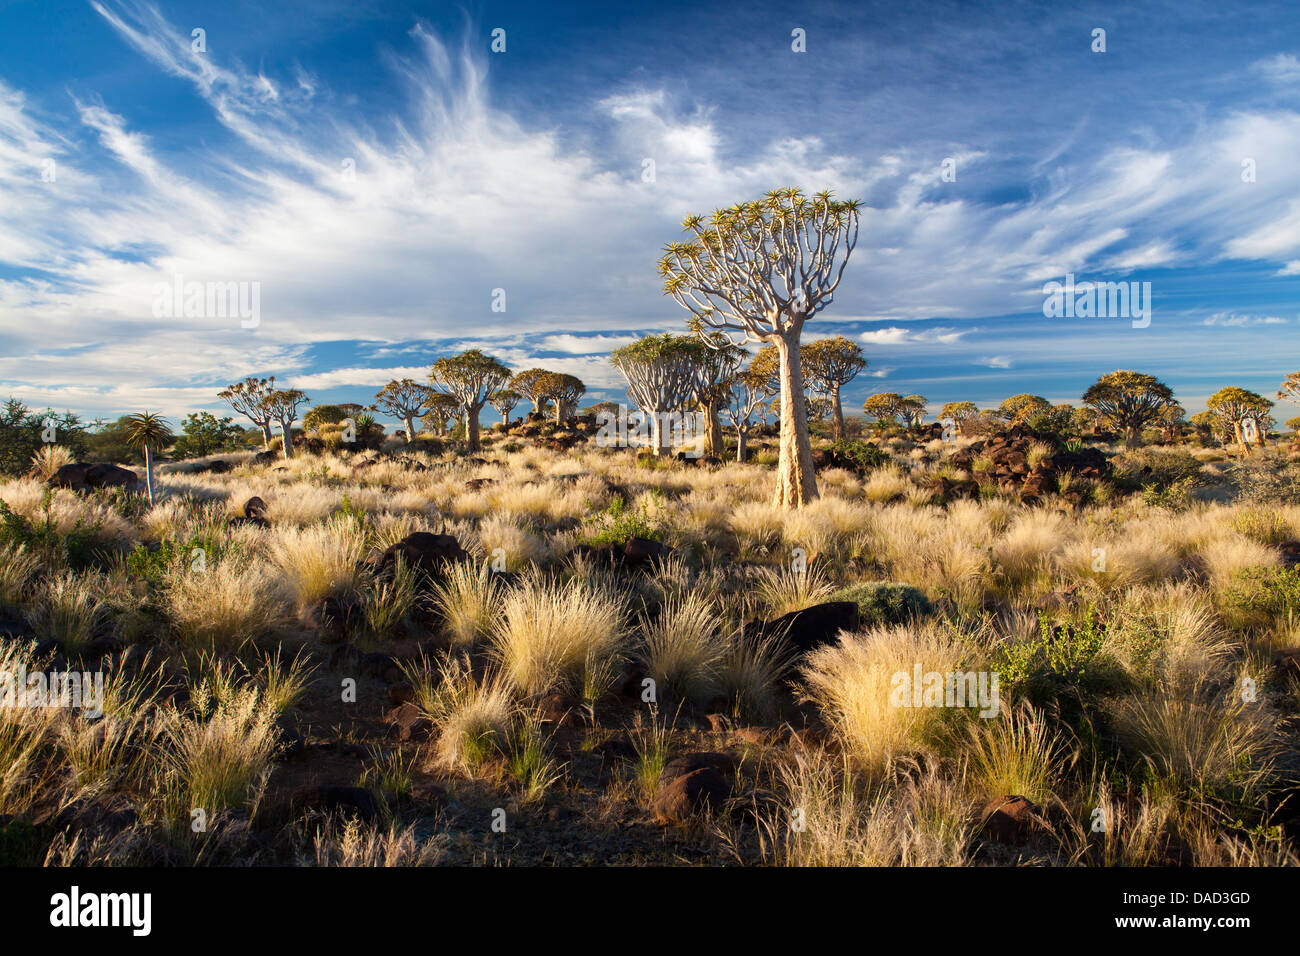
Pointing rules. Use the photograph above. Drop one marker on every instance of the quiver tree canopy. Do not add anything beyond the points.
(662, 373)
(469, 378)
(1128, 401)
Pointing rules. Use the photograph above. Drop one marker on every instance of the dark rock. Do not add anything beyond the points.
(643, 550)
(558, 709)
(337, 617)
(1009, 819)
(401, 692)
(254, 509)
(682, 797)
(422, 550)
(688, 763)
(81, 478)
(615, 748)
(810, 627)
(408, 722)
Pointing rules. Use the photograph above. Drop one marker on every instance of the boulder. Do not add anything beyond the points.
(810, 627)
(81, 478)
(421, 550)
(689, 786)
(644, 550)
(408, 722)
(1009, 819)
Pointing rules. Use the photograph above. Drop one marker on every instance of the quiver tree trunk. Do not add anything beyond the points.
(837, 422)
(796, 485)
(471, 429)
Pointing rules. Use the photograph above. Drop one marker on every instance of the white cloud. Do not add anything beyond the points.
(994, 361)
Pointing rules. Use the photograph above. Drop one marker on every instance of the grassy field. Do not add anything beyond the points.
(276, 692)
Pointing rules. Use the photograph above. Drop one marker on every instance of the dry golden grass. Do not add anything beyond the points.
(852, 683)
(550, 633)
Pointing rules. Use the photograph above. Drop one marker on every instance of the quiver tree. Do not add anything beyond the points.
(718, 366)
(248, 398)
(912, 408)
(442, 409)
(563, 391)
(758, 271)
(747, 391)
(1236, 406)
(959, 413)
(504, 401)
(470, 378)
(830, 364)
(1018, 409)
(148, 432)
(1172, 420)
(405, 399)
(662, 375)
(884, 407)
(530, 384)
(283, 405)
(1128, 401)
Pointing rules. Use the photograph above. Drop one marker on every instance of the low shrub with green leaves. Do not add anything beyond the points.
(1064, 662)
(618, 523)
(863, 456)
(884, 602)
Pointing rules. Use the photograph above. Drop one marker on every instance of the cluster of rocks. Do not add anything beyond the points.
(1010, 452)
(635, 552)
(558, 436)
(84, 478)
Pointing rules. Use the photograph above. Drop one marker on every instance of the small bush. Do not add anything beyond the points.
(883, 602)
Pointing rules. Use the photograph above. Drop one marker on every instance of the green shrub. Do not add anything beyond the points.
(1259, 595)
(617, 523)
(863, 456)
(883, 602)
(153, 565)
(75, 550)
(1062, 663)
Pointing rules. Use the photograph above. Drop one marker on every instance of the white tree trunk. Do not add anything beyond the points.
(796, 485)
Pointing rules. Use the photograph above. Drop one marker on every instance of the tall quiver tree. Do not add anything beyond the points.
(149, 432)
(718, 367)
(760, 270)
(442, 409)
(504, 401)
(1234, 407)
(748, 391)
(406, 399)
(830, 364)
(563, 391)
(1128, 401)
(283, 404)
(912, 409)
(662, 376)
(248, 398)
(470, 378)
(530, 384)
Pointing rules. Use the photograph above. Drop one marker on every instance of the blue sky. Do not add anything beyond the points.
(472, 171)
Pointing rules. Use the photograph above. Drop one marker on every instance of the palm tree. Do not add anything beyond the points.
(147, 430)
